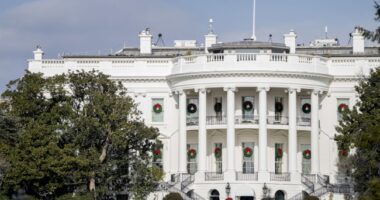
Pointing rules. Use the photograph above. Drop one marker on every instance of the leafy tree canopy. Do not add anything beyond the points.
(78, 132)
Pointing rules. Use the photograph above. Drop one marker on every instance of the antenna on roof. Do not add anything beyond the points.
(160, 39)
(326, 33)
(210, 26)
(270, 37)
(254, 21)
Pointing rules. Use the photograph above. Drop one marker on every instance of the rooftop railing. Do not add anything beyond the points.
(216, 120)
(250, 61)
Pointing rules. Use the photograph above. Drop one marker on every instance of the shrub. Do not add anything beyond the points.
(311, 198)
(173, 196)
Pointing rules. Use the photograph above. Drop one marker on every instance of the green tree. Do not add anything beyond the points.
(77, 132)
(360, 130)
(373, 35)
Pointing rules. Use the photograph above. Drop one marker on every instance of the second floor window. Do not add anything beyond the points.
(158, 110)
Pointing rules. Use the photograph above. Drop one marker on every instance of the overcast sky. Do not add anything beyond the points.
(93, 26)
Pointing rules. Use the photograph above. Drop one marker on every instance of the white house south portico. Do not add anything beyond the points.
(259, 116)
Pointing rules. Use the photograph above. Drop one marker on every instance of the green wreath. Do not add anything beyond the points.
(192, 153)
(278, 107)
(306, 108)
(247, 106)
(218, 152)
(342, 107)
(218, 107)
(306, 154)
(247, 152)
(279, 153)
(157, 154)
(157, 108)
(192, 108)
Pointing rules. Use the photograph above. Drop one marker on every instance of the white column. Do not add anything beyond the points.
(182, 133)
(315, 132)
(292, 136)
(230, 129)
(202, 132)
(263, 140)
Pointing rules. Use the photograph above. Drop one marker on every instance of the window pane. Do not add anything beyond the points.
(306, 163)
(219, 161)
(248, 162)
(158, 114)
(278, 160)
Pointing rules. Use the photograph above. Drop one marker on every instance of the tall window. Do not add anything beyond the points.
(192, 111)
(306, 163)
(278, 157)
(305, 112)
(158, 110)
(342, 105)
(248, 160)
(192, 161)
(248, 108)
(278, 109)
(218, 107)
(158, 155)
(218, 159)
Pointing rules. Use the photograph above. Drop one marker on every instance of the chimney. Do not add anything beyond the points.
(210, 38)
(38, 53)
(290, 41)
(145, 42)
(357, 41)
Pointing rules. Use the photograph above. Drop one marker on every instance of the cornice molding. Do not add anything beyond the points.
(142, 79)
(274, 74)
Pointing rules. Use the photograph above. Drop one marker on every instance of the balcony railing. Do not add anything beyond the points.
(247, 119)
(250, 61)
(279, 177)
(192, 121)
(304, 121)
(240, 176)
(216, 120)
(277, 120)
(214, 176)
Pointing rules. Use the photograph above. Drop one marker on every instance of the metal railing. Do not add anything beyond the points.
(277, 120)
(192, 121)
(214, 176)
(323, 179)
(247, 119)
(280, 177)
(309, 183)
(311, 177)
(240, 176)
(304, 121)
(187, 179)
(216, 120)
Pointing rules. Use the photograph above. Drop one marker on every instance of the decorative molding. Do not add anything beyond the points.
(230, 88)
(201, 90)
(274, 74)
(143, 79)
(261, 88)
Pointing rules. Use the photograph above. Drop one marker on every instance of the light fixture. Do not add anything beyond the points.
(265, 190)
(228, 189)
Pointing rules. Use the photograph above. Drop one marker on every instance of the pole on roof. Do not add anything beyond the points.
(254, 21)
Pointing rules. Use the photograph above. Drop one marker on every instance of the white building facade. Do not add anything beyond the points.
(257, 116)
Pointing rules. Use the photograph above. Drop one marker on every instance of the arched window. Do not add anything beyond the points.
(279, 195)
(214, 195)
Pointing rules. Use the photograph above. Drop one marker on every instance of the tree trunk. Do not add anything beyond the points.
(102, 157)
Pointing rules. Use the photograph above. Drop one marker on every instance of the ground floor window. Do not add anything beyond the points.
(248, 161)
(218, 149)
(192, 151)
(278, 157)
(306, 162)
(158, 155)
